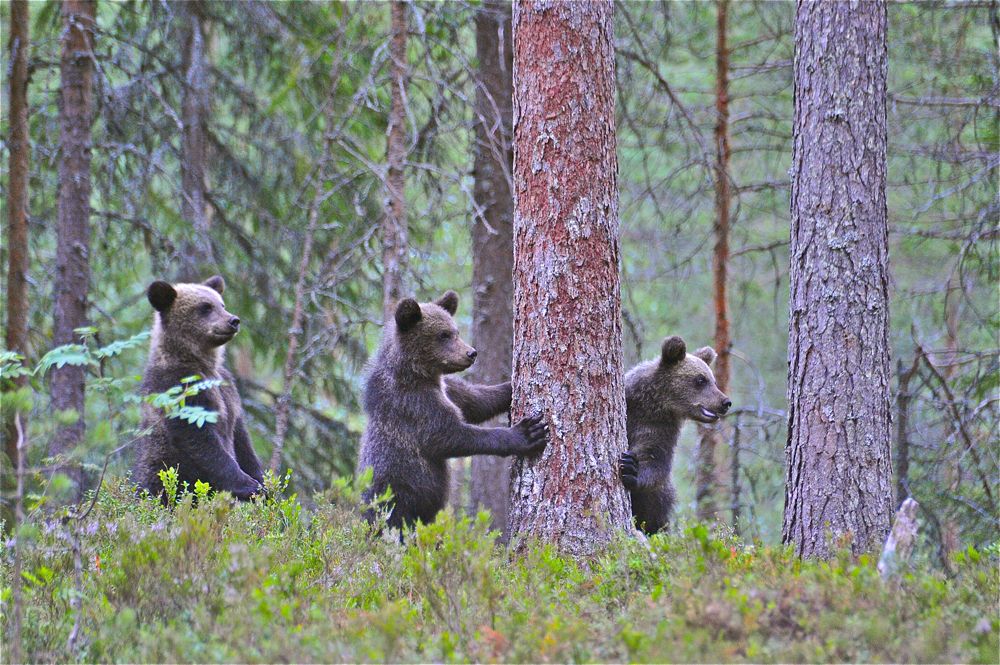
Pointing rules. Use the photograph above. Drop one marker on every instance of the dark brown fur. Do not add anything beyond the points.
(659, 396)
(190, 328)
(418, 418)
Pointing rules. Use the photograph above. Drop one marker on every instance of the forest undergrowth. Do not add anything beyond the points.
(279, 579)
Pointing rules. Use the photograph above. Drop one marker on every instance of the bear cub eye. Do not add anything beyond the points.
(444, 336)
(700, 381)
(205, 308)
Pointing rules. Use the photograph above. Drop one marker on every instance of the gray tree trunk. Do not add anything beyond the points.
(394, 230)
(839, 478)
(493, 236)
(567, 301)
(197, 253)
(17, 204)
(72, 280)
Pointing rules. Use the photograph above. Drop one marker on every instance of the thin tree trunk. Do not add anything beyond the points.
(394, 230)
(321, 193)
(951, 530)
(17, 583)
(707, 478)
(839, 473)
(294, 332)
(493, 236)
(735, 508)
(903, 398)
(17, 203)
(197, 253)
(72, 279)
(567, 300)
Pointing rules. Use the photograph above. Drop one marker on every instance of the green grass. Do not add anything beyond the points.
(275, 581)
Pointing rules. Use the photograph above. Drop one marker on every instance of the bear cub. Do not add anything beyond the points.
(418, 417)
(191, 325)
(659, 396)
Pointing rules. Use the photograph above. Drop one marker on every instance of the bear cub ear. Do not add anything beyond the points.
(216, 282)
(407, 314)
(673, 351)
(448, 302)
(706, 353)
(161, 295)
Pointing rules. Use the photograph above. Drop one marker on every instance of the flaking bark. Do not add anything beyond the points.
(567, 305)
(839, 480)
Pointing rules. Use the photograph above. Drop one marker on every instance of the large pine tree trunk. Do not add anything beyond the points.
(839, 478)
(493, 236)
(707, 479)
(17, 202)
(76, 113)
(197, 253)
(394, 230)
(567, 305)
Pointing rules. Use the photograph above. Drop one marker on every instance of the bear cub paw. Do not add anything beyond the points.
(628, 469)
(535, 432)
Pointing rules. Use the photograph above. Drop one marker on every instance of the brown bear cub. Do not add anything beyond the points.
(659, 396)
(418, 418)
(191, 325)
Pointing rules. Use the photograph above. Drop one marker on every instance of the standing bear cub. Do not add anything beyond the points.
(190, 327)
(418, 417)
(659, 396)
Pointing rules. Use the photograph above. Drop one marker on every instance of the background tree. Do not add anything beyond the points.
(708, 479)
(19, 48)
(72, 278)
(567, 303)
(197, 252)
(394, 229)
(839, 478)
(493, 235)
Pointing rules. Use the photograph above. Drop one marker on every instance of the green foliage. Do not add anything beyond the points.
(217, 580)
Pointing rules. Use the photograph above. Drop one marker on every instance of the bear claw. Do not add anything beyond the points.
(628, 469)
(536, 433)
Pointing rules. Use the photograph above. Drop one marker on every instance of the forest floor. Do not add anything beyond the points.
(214, 581)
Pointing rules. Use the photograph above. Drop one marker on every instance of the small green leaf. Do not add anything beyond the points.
(75, 355)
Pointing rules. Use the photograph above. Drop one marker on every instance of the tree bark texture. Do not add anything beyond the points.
(197, 259)
(16, 338)
(76, 113)
(707, 478)
(493, 236)
(567, 304)
(839, 478)
(394, 230)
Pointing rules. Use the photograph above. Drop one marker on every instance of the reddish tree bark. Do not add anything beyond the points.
(493, 236)
(197, 253)
(567, 301)
(17, 203)
(707, 479)
(839, 480)
(72, 279)
(394, 230)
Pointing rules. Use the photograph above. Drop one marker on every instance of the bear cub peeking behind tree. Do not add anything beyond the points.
(418, 417)
(190, 327)
(659, 396)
